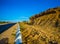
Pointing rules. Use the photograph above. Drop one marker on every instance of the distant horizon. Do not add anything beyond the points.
(16, 20)
(21, 10)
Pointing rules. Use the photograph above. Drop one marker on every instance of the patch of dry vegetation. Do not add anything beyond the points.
(43, 28)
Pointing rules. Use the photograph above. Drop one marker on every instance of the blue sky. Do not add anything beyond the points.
(19, 10)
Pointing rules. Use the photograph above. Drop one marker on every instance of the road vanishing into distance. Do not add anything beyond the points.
(18, 39)
(5, 27)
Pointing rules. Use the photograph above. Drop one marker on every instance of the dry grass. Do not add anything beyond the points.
(44, 29)
(38, 34)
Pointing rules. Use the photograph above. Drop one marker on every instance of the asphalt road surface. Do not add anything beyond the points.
(5, 27)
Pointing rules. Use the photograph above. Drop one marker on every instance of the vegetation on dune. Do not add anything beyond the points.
(43, 28)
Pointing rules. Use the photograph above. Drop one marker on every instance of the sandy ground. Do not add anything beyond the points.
(10, 33)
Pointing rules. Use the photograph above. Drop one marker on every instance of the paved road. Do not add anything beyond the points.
(5, 27)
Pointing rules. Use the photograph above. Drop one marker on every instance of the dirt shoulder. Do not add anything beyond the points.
(10, 34)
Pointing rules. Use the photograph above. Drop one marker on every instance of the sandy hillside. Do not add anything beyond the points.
(43, 28)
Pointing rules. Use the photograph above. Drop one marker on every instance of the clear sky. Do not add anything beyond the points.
(18, 10)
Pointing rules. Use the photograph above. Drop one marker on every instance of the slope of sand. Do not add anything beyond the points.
(43, 28)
